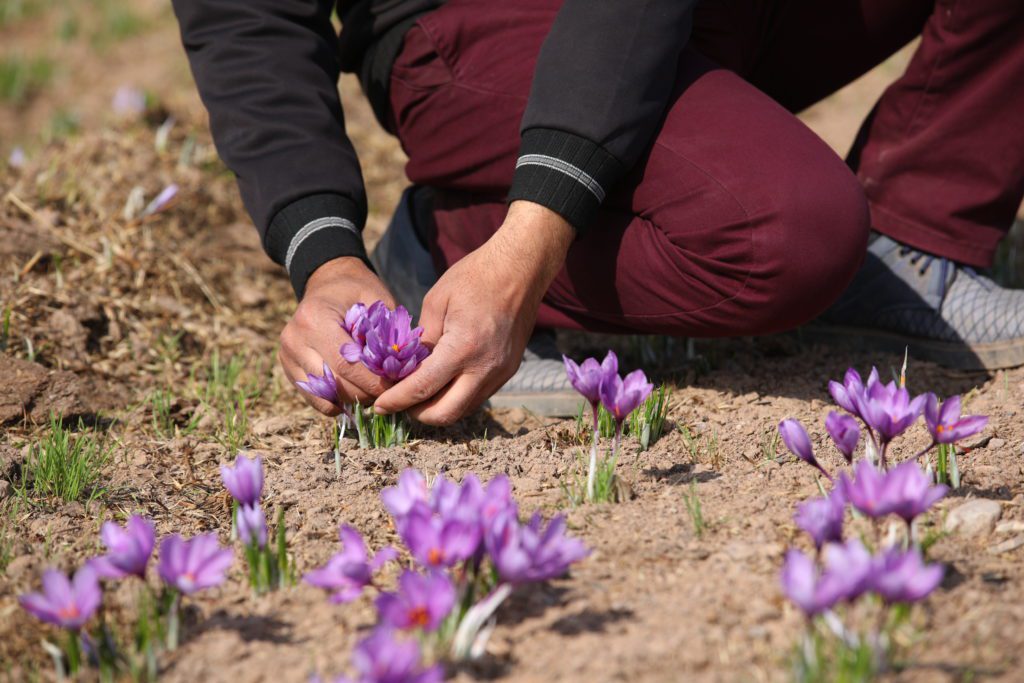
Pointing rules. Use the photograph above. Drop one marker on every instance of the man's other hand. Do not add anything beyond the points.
(314, 333)
(479, 316)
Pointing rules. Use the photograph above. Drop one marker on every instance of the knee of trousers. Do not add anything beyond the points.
(818, 246)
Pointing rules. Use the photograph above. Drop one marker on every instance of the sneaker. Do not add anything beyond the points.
(937, 309)
(402, 259)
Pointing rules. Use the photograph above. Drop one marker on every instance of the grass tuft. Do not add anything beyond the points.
(64, 465)
(646, 423)
(380, 431)
(693, 506)
(20, 78)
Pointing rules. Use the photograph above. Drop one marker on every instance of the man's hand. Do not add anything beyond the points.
(314, 335)
(480, 315)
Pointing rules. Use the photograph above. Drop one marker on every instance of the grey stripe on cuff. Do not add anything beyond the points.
(312, 227)
(556, 164)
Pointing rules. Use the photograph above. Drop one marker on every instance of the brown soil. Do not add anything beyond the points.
(96, 299)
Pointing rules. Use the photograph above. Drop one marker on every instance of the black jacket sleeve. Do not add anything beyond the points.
(600, 88)
(267, 71)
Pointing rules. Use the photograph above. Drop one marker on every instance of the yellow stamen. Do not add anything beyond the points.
(418, 616)
(395, 347)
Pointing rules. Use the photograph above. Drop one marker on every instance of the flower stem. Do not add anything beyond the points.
(173, 622)
(464, 644)
(592, 471)
(74, 652)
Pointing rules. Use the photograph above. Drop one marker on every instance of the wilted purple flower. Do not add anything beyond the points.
(622, 396)
(844, 432)
(64, 603)
(347, 573)
(422, 601)
(902, 576)
(252, 525)
(588, 376)
(128, 101)
(244, 479)
(325, 386)
(801, 580)
(391, 347)
(945, 423)
(437, 542)
(128, 549)
(908, 491)
(382, 658)
(888, 409)
(848, 572)
(194, 564)
(17, 158)
(822, 518)
(161, 200)
(795, 437)
(528, 552)
(411, 488)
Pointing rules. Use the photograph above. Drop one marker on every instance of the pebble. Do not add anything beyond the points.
(1007, 546)
(5, 489)
(1013, 526)
(975, 517)
(996, 443)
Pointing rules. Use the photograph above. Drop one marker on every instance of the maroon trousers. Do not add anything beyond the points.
(739, 220)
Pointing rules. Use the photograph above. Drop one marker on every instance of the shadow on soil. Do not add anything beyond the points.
(265, 629)
(591, 621)
(680, 473)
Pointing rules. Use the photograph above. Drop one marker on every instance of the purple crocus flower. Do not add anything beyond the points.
(411, 488)
(908, 491)
(128, 101)
(252, 525)
(128, 549)
(347, 573)
(588, 376)
(945, 423)
(801, 580)
(160, 202)
(64, 603)
(384, 341)
(848, 572)
(902, 576)
(360, 319)
(822, 518)
(888, 409)
(325, 386)
(622, 396)
(194, 564)
(383, 658)
(527, 552)
(437, 542)
(799, 444)
(845, 433)
(847, 395)
(244, 480)
(422, 601)
(17, 159)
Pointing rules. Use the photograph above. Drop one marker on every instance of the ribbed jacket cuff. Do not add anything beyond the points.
(311, 231)
(564, 172)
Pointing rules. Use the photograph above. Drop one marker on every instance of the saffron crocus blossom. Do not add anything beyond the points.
(17, 158)
(801, 580)
(908, 491)
(195, 564)
(252, 525)
(848, 572)
(422, 601)
(847, 395)
(347, 573)
(437, 542)
(622, 396)
(385, 342)
(888, 409)
(65, 603)
(128, 101)
(822, 518)
(411, 488)
(844, 432)
(244, 480)
(161, 201)
(528, 552)
(902, 576)
(128, 549)
(383, 658)
(795, 437)
(945, 423)
(588, 376)
(324, 386)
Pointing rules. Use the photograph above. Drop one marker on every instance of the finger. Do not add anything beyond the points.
(298, 366)
(436, 371)
(453, 402)
(327, 343)
(432, 314)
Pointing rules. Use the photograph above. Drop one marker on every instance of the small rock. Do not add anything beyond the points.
(975, 517)
(1007, 546)
(5, 489)
(996, 443)
(1013, 526)
(272, 425)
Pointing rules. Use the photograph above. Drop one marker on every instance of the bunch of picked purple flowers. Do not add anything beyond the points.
(470, 550)
(886, 411)
(185, 567)
(269, 568)
(600, 384)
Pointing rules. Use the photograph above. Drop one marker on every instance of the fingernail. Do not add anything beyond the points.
(379, 411)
